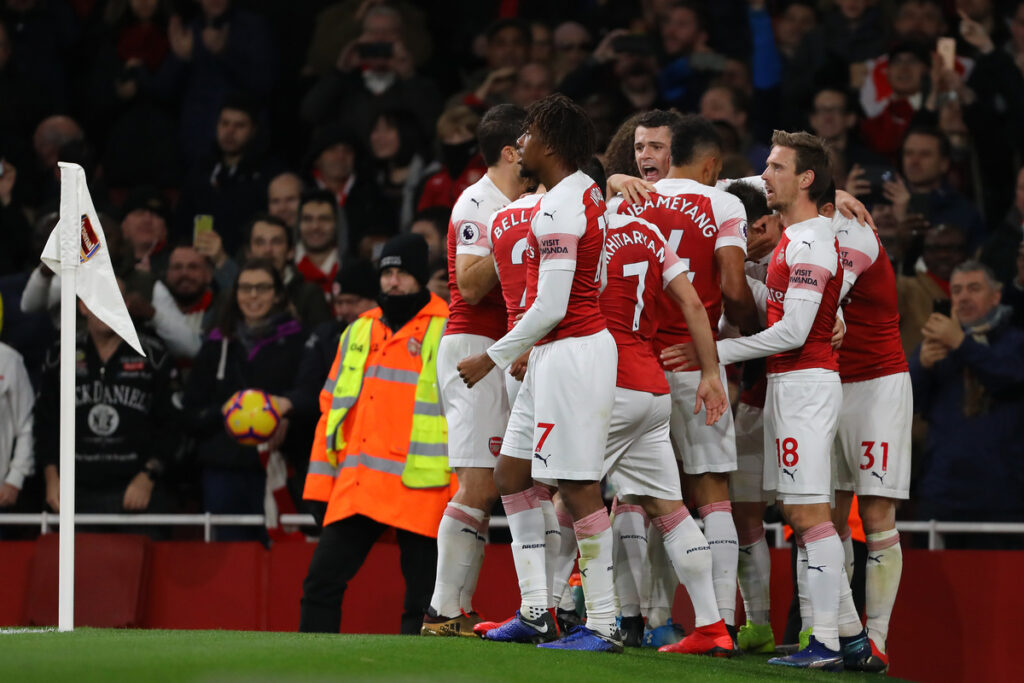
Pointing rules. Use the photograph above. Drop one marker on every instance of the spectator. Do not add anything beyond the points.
(222, 50)
(17, 458)
(432, 225)
(945, 247)
(231, 183)
(316, 256)
(460, 156)
(926, 161)
(144, 228)
(410, 492)
(687, 62)
(126, 428)
(438, 282)
(189, 279)
(373, 73)
(968, 377)
(1015, 46)
(284, 193)
(725, 103)
(534, 81)
(257, 344)
(834, 119)
(334, 163)
(123, 109)
(572, 44)
(1000, 251)
(907, 67)
(400, 168)
(15, 232)
(541, 43)
(50, 135)
(271, 240)
(506, 50)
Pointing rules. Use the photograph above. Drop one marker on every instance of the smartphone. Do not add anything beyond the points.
(382, 50)
(946, 48)
(943, 306)
(201, 223)
(877, 175)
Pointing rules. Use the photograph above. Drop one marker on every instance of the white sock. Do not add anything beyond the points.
(566, 559)
(847, 540)
(661, 581)
(552, 537)
(849, 619)
(456, 550)
(594, 536)
(882, 582)
(753, 572)
(526, 522)
(629, 527)
(691, 557)
(720, 530)
(824, 576)
(483, 537)
(803, 594)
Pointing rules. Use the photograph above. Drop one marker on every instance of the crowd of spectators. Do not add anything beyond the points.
(249, 159)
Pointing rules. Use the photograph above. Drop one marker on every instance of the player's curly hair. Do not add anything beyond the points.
(619, 156)
(564, 127)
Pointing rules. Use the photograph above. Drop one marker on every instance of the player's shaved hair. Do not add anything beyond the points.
(692, 138)
(812, 154)
(564, 127)
(498, 129)
(619, 156)
(755, 204)
(593, 168)
(656, 118)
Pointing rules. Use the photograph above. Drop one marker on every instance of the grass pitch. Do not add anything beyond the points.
(212, 656)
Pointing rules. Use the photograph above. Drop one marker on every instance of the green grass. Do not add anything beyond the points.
(208, 656)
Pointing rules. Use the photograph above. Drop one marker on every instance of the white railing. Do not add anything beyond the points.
(47, 523)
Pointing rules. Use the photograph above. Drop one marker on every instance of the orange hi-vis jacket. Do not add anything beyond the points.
(376, 430)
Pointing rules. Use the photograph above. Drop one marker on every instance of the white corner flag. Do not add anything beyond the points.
(77, 250)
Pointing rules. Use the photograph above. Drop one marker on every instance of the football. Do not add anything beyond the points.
(250, 416)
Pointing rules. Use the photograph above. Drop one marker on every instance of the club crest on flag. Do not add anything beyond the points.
(90, 241)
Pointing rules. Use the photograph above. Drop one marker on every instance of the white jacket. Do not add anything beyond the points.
(16, 401)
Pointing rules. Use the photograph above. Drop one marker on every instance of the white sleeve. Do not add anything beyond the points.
(858, 248)
(22, 402)
(787, 334)
(171, 326)
(471, 238)
(40, 293)
(732, 222)
(547, 310)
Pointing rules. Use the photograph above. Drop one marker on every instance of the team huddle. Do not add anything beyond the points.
(588, 341)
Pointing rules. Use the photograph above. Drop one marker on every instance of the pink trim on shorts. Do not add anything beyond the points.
(819, 532)
(884, 543)
(846, 535)
(564, 518)
(720, 506)
(750, 536)
(592, 524)
(519, 502)
(667, 523)
(461, 516)
(541, 493)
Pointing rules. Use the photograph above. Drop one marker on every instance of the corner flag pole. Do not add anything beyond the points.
(70, 241)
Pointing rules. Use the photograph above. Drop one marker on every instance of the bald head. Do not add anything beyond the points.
(283, 195)
(51, 134)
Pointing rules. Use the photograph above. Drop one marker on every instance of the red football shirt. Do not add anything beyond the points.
(508, 236)
(696, 220)
(467, 234)
(639, 266)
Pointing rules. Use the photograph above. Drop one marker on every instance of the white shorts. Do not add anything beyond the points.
(801, 414)
(873, 440)
(638, 459)
(511, 387)
(746, 484)
(565, 404)
(700, 447)
(476, 417)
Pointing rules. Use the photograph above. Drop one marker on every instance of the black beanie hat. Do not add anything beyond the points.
(408, 252)
(359, 278)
